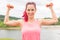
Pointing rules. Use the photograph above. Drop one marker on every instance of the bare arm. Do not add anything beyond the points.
(50, 21)
(10, 22)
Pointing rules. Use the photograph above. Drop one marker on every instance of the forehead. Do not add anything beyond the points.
(30, 6)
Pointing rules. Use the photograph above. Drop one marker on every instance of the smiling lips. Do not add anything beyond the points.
(30, 14)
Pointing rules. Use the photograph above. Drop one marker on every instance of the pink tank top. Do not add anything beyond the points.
(34, 26)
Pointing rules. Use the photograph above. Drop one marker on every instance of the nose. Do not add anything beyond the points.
(30, 12)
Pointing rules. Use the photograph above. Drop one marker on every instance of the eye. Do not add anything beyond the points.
(28, 9)
(32, 9)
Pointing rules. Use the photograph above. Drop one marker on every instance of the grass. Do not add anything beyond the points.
(11, 28)
(6, 39)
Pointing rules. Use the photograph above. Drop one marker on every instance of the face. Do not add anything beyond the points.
(30, 10)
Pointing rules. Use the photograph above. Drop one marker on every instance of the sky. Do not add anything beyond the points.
(19, 7)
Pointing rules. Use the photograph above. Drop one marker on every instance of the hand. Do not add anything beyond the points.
(49, 5)
(10, 6)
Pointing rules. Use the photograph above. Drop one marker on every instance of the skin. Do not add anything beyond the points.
(31, 17)
(30, 12)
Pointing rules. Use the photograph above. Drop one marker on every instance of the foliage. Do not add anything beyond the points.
(58, 23)
(2, 25)
(6, 39)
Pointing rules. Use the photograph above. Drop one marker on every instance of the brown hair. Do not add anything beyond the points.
(29, 3)
(25, 14)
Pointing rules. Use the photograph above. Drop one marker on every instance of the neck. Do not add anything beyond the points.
(30, 19)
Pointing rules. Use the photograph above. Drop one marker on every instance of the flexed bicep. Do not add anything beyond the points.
(49, 21)
(13, 23)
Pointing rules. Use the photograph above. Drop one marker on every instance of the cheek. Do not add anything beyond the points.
(30, 12)
(33, 11)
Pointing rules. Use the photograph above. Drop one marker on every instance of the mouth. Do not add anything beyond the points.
(31, 14)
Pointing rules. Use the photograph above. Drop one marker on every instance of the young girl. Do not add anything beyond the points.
(30, 27)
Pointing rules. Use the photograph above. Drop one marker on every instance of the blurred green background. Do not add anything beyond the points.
(2, 25)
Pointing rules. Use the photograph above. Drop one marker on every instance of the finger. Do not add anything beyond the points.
(51, 4)
(10, 6)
